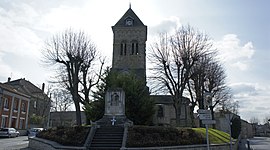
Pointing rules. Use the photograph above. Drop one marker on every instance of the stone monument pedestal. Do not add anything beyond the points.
(114, 114)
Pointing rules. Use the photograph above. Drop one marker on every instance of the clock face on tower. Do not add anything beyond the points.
(129, 22)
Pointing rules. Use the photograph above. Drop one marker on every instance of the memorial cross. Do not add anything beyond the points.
(113, 120)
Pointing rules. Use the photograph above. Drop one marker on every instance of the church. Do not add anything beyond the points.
(129, 55)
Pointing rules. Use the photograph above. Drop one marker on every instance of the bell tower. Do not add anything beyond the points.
(129, 43)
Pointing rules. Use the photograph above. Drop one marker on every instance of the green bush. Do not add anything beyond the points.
(68, 136)
(146, 136)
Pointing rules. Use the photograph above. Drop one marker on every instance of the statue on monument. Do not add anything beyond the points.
(115, 99)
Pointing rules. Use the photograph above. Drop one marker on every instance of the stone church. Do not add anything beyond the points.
(129, 55)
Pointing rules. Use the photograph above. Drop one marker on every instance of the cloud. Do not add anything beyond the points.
(16, 36)
(253, 99)
(167, 25)
(233, 53)
(20, 43)
(244, 89)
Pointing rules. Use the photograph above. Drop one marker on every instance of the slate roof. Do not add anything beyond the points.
(164, 99)
(25, 86)
(12, 90)
(129, 14)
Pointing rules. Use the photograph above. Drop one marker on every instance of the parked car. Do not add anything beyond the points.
(9, 132)
(33, 132)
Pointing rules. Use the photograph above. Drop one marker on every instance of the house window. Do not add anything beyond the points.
(4, 121)
(23, 107)
(15, 105)
(6, 103)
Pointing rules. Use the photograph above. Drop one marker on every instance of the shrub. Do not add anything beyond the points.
(68, 136)
(145, 136)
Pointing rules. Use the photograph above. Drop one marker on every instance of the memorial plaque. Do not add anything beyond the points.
(115, 102)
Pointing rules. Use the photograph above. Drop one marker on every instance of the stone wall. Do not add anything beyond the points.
(187, 147)
(246, 130)
(65, 118)
(42, 144)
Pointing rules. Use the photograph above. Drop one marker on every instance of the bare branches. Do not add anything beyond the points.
(174, 58)
(74, 55)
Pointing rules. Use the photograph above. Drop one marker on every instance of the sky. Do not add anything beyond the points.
(240, 30)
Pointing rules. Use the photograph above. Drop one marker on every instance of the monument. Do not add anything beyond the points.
(114, 114)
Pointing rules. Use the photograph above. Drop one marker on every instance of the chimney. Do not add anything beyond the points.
(9, 78)
(43, 86)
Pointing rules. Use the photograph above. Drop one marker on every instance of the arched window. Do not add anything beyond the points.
(123, 50)
(134, 48)
(137, 49)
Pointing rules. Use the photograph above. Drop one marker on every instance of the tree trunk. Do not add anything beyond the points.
(177, 114)
(192, 115)
(213, 115)
(78, 113)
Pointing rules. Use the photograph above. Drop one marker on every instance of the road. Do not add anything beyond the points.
(260, 143)
(18, 143)
(256, 143)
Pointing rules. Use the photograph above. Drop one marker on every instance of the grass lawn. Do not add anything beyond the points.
(215, 136)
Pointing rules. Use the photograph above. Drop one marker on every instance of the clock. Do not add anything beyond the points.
(129, 22)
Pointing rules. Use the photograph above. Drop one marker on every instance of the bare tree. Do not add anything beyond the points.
(174, 57)
(72, 52)
(254, 120)
(228, 104)
(61, 100)
(266, 120)
(196, 84)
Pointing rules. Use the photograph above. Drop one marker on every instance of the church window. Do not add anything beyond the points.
(123, 50)
(160, 111)
(134, 48)
(137, 48)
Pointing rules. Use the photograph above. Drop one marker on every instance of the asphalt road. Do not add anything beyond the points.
(260, 143)
(18, 143)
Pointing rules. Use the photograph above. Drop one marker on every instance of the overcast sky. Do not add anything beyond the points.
(240, 30)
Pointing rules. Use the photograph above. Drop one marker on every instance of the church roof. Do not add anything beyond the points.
(165, 99)
(129, 14)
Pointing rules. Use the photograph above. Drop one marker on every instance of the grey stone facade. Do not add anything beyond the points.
(129, 56)
(129, 43)
(165, 111)
(64, 118)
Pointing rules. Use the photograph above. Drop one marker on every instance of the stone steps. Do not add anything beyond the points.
(107, 137)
